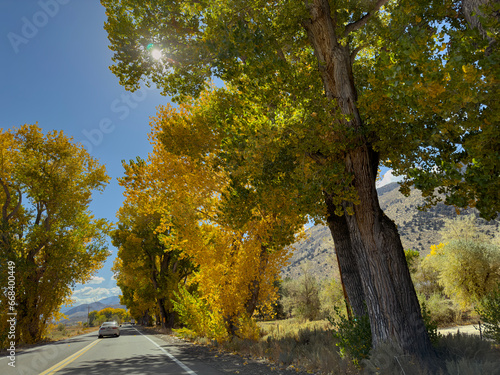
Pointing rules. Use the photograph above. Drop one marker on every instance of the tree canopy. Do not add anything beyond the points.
(212, 216)
(46, 228)
(349, 84)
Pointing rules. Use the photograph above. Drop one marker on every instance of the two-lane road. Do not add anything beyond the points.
(131, 353)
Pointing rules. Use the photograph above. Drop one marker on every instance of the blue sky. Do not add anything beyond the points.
(55, 71)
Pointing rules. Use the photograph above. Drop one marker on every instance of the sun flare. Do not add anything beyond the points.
(156, 54)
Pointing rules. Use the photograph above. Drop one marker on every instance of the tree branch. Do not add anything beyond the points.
(363, 20)
(14, 211)
(7, 200)
(355, 51)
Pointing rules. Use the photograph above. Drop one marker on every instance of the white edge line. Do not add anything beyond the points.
(184, 367)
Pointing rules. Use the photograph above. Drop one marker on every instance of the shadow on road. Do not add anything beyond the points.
(143, 364)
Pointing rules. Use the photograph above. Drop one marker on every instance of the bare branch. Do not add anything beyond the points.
(363, 20)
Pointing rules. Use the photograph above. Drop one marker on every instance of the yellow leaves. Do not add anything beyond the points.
(471, 74)
(435, 89)
(418, 19)
(415, 54)
(436, 249)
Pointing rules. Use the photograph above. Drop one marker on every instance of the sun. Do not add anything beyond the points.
(156, 54)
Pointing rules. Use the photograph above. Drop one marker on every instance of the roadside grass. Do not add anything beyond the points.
(61, 332)
(55, 333)
(293, 344)
(312, 347)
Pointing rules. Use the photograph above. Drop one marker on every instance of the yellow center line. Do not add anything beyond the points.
(68, 360)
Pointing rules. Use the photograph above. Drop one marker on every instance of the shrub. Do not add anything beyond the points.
(489, 311)
(468, 354)
(354, 336)
(196, 315)
(457, 354)
(430, 325)
(440, 309)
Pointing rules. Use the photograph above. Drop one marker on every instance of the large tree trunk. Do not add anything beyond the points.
(253, 298)
(163, 312)
(391, 300)
(349, 272)
(28, 319)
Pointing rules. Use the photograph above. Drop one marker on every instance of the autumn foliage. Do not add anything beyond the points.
(47, 230)
(237, 246)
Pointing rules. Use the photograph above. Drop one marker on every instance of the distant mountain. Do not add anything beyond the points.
(85, 307)
(113, 300)
(80, 312)
(418, 230)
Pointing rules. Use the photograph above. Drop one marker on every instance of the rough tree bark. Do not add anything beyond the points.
(349, 271)
(391, 300)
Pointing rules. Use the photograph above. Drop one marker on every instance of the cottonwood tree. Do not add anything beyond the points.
(237, 245)
(372, 76)
(144, 266)
(46, 228)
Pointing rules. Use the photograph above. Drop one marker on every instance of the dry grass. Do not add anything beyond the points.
(311, 347)
(55, 334)
(307, 346)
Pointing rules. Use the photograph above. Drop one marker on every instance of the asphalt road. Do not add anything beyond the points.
(131, 353)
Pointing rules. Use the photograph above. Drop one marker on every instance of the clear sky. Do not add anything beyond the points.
(55, 71)
(55, 62)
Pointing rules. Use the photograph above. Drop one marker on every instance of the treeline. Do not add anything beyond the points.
(198, 244)
(108, 314)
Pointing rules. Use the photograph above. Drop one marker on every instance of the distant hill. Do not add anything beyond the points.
(79, 313)
(418, 230)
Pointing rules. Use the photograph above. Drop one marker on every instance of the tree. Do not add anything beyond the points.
(362, 73)
(237, 245)
(303, 296)
(468, 264)
(46, 227)
(108, 314)
(145, 266)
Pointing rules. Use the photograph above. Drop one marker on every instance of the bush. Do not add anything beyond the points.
(301, 296)
(387, 358)
(430, 325)
(440, 309)
(354, 336)
(457, 354)
(61, 327)
(489, 311)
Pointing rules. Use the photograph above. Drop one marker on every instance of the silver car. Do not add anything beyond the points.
(109, 329)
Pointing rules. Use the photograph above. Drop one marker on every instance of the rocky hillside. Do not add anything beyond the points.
(418, 229)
